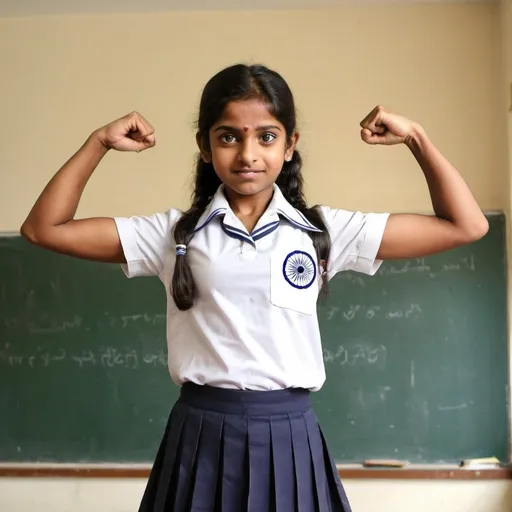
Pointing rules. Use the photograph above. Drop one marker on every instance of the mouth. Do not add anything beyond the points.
(247, 173)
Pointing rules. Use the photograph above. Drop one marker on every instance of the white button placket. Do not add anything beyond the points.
(248, 251)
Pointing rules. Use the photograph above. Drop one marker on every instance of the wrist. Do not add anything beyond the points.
(416, 139)
(98, 142)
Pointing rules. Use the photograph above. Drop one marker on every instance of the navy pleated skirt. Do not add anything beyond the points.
(228, 450)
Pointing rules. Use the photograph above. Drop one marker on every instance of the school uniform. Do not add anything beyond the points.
(247, 355)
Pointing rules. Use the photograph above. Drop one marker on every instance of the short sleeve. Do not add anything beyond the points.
(355, 239)
(145, 240)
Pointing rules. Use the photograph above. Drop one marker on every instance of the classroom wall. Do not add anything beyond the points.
(506, 18)
(442, 65)
(506, 33)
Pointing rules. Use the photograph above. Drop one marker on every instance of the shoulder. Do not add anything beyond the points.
(352, 230)
(145, 240)
(144, 231)
(339, 218)
(162, 221)
(169, 216)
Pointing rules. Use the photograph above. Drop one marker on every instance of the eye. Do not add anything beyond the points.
(228, 138)
(268, 137)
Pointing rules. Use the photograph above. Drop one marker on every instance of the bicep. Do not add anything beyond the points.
(95, 239)
(415, 236)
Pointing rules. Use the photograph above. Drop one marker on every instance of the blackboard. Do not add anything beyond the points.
(416, 359)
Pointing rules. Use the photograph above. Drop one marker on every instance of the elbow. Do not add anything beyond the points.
(476, 230)
(29, 233)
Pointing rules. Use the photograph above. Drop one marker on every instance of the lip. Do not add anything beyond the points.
(248, 173)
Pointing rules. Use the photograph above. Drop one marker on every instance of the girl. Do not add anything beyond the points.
(243, 268)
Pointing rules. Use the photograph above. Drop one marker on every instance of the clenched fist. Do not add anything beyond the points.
(129, 133)
(383, 127)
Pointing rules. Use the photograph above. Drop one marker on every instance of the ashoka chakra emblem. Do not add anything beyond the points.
(299, 269)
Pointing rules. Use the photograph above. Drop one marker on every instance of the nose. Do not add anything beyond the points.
(247, 155)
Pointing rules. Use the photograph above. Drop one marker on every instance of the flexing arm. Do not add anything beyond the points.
(458, 220)
(51, 224)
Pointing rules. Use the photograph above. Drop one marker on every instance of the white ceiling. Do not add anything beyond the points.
(41, 7)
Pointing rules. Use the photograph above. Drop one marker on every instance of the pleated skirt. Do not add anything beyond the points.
(228, 450)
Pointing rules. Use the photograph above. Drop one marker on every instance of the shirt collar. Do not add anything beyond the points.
(291, 214)
(219, 206)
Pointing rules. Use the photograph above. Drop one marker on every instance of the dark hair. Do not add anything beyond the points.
(236, 83)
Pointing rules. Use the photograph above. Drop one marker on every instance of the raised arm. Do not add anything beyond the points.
(51, 223)
(458, 219)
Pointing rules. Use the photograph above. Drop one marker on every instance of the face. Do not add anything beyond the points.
(248, 148)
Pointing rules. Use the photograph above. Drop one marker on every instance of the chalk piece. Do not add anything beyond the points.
(480, 463)
(385, 463)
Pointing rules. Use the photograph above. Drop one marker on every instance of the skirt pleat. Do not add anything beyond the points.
(260, 465)
(242, 451)
(234, 464)
(206, 478)
(159, 488)
(302, 465)
(151, 491)
(282, 459)
(186, 464)
(337, 491)
(317, 458)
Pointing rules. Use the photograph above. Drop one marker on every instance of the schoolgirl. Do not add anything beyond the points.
(243, 268)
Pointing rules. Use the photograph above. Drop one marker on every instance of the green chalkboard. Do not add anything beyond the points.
(416, 359)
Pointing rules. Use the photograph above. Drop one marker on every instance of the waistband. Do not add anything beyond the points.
(236, 401)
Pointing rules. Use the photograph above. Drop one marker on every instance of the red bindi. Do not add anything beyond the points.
(246, 128)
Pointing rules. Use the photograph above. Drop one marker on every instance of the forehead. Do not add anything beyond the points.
(248, 113)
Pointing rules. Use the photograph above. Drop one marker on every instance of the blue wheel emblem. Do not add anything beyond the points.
(299, 269)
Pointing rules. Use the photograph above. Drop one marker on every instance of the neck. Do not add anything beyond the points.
(249, 206)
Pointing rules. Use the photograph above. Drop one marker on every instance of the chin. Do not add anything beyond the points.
(249, 189)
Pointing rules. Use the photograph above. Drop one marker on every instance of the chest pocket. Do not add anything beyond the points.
(294, 280)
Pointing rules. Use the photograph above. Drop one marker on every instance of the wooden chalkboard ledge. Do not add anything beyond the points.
(429, 472)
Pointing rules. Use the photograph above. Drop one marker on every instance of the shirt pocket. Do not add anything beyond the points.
(294, 280)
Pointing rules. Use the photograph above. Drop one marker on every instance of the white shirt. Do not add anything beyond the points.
(254, 325)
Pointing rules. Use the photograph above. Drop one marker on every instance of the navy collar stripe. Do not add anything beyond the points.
(266, 226)
(236, 235)
(219, 211)
(306, 220)
(261, 234)
(308, 227)
(237, 230)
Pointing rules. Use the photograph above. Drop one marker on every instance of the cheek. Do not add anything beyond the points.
(222, 157)
(275, 158)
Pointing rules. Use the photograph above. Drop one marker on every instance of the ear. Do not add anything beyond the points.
(205, 154)
(288, 154)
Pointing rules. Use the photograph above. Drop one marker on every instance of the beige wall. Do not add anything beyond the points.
(67, 76)
(440, 64)
(506, 19)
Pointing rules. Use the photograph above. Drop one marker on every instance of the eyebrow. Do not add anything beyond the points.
(259, 129)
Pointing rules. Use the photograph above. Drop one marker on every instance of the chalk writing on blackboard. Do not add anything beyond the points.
(355, 311)
(108, 357)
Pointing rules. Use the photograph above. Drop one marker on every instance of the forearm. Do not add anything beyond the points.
(451, 197)
(59, 200)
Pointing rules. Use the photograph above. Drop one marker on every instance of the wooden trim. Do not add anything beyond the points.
(426, 473)
(73, 472)
(410, 473)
